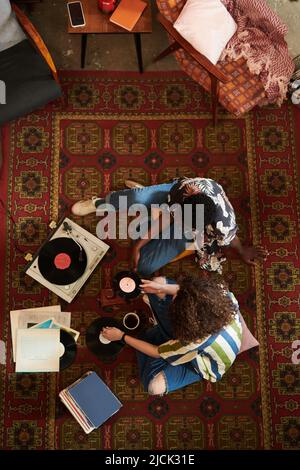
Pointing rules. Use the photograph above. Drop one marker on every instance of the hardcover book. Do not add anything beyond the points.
(128, 13)
(92, 401)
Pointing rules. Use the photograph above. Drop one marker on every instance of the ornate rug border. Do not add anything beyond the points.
(260, 278)
(260, 298)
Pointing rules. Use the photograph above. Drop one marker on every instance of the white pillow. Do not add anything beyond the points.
(207, 26)
(248, 340)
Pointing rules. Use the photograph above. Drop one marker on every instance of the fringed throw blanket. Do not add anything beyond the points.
(260, 40)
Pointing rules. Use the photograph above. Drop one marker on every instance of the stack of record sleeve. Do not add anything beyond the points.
(90, 401)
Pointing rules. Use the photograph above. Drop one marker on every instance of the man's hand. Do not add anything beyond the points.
(250, 254)
(111, 333)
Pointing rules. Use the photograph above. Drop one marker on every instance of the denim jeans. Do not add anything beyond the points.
(176, 376)
(157, 252)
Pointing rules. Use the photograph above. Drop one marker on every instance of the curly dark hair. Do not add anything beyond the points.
(177, 196)
(201, 308)
(210, 209)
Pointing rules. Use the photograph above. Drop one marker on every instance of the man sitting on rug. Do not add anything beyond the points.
(202, 316)
(150, 253)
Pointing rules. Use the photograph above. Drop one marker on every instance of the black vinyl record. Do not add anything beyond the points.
(61, 261)
(127, 284)
(70, 349)
(92, 338)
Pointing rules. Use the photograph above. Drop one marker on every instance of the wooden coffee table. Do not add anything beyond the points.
(98, 22)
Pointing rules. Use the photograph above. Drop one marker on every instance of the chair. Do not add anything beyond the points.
(229, 82)
(26, 69)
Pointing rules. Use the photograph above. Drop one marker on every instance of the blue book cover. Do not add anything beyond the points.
(95, 399)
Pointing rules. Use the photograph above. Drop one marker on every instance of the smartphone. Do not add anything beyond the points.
(76, 14)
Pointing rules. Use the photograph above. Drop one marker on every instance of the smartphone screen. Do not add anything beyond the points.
(76, 15)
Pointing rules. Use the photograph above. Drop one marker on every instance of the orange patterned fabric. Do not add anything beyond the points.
(170, 9)
(241, 93)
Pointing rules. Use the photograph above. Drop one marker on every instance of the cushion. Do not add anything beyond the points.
(28, 79)
(207, 26)
(248, 340)
(11, 32)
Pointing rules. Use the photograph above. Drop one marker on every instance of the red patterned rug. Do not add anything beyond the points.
(151, 128)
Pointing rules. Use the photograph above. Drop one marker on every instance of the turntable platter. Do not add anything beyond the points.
(62, 261)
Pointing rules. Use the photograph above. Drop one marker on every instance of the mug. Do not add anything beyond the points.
(103, 340)
(131, 321)
(107, 6)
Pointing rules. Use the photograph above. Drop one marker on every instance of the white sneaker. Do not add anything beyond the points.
(84, 207)
(133, 184)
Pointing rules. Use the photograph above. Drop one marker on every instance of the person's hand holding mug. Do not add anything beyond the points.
(112, 333)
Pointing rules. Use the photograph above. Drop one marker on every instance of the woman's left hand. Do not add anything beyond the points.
(111, 333)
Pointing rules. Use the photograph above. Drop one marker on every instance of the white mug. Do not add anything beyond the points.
(103, 340)
(134, 317)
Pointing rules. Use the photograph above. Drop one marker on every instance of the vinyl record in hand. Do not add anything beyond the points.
(93, 341)
(62, 261)
(68, 349)
(127, 284)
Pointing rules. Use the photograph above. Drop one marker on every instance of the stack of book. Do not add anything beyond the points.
(90, 401)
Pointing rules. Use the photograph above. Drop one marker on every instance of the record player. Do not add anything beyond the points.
(67, 259)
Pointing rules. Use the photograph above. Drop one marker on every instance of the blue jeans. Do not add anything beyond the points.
(158, 252)
(175, 376)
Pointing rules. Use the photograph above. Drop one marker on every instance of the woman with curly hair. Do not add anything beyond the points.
(159, 245)
(197, 335)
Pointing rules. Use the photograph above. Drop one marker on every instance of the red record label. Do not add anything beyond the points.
(62, 261)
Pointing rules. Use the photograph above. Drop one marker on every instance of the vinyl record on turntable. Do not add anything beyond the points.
(93, 341)
(127, 284)
(66, 260)
(68, 350)
(62, 261)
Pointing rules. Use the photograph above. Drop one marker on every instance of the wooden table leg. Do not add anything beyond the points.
(138, 48)
(214, 97)
(172, 48)
(83, 48)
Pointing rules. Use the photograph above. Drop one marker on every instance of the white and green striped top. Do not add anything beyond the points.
(211, 357)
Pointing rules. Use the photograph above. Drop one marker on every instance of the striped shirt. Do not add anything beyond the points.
(211, 357)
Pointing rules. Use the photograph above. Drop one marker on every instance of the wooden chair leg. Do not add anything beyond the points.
(172, 48)
(214, 97)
